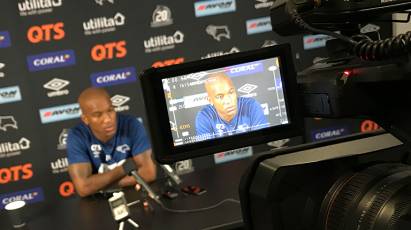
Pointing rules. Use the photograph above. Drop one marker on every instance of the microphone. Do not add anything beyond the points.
(129, 168)
(170, 172)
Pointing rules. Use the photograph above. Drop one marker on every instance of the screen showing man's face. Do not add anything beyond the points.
(226, 101)
(222, 95)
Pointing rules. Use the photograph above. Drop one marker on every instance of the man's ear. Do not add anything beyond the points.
(84, 119)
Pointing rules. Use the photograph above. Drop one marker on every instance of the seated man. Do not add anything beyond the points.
(102, 142)
(227, 114)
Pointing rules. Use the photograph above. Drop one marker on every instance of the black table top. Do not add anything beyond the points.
(221, 182)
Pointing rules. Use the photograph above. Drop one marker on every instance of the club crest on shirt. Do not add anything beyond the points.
(96, 149)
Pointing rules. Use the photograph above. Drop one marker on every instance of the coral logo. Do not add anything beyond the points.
(16, 173)
(37, 7)
(66, 189)
(329, 133)
(168, 62)
(5, 39)
(315, 41)
(30, 196)
(221, 53)
(46, 32)
(10, 94)
(108, 51)
(212, 7)
(113, 77)
(231, 155)
(51, 60)
(59, 113)
(258, 25)
(244, 69)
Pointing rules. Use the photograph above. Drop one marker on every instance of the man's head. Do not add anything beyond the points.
(222, 95)
(98, 113)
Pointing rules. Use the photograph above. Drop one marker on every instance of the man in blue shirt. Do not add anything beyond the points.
(102, 142)
(227, 114)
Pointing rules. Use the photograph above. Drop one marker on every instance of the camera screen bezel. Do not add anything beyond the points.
(157, 113)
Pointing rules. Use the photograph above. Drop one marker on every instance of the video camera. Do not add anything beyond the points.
(358, 182)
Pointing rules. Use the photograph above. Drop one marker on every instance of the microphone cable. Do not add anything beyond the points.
(198, 209)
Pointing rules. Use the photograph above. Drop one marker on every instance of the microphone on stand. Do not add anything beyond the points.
(170, 173)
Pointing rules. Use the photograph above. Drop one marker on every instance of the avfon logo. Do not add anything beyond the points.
(51, 60)
(258, 25)
(102, 25)
(315, 41)
(10, 94)
(59, 113)
(7, 122)
(244, 69)
(9, 149)
(62, 140)
(163, 42)
(161, 16)
(113, 77)
(231, 155)
(212, 7)
(221, 53)
(37, 7)
(4, 39)
(118, 101)
(30, 196)
(218, 32)
(57, 84)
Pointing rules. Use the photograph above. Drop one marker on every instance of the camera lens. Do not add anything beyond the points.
(376, 198)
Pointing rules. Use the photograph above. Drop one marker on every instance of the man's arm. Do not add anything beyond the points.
(87, 183)
(258, 119)
(145, 168)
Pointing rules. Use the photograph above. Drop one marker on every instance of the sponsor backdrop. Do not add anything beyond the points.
(50, 50)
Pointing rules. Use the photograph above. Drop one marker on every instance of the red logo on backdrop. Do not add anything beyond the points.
(66, 189)
(46, 32)
(109, 50)
(16, 173)
(368, 125)
(168, 62)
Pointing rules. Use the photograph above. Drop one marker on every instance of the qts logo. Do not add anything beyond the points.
(66, 189)
(168, 62)
(369, 126)
(16, 173)
(109, 50)
(46, 32)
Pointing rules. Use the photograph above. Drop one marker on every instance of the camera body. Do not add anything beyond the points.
(357, 182)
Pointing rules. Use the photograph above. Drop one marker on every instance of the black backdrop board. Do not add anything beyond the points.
(51, 52)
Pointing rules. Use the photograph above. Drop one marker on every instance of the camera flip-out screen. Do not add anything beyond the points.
(213, 105)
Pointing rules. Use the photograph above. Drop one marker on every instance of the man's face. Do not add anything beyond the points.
(99, 115)
(223, 96)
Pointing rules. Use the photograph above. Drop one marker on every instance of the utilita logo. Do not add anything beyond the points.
(168, 62)
(163, 42)
(59, 166)
(10, 94)
(59, 113)
(7, 122)
(258, 25)
(37, 7)
(51, 60)
(103, 25)
(221, 53)
(5, 40)
(9, 149)
(2, 74)
(113, 77)
(109, 51)
(161, 16)
(118, 102)
(212, 7)
(16, 173)
(57, 86)
(218, 32)
(29, 196)
(46, 32)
